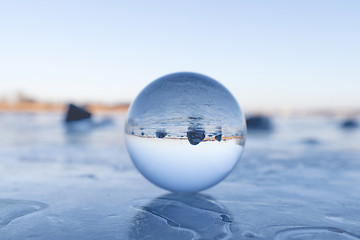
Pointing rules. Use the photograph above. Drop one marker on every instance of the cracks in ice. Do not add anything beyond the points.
(312, 232)
(11, 209)
(211, 222)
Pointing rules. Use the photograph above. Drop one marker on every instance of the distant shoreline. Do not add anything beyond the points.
(34, 107)
(40, 107)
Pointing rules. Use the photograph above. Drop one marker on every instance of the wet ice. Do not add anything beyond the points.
(282, 189)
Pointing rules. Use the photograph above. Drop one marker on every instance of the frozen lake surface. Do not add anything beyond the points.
(301, 181)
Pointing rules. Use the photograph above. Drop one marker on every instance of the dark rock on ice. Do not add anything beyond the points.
(195, 136)
(75, 113)
(218, 137)
(218, 134)
(259, 122)
(78, 119)
(160, 133)
(349, 123)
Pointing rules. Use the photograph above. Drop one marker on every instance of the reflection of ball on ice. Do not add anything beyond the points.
(185, 132)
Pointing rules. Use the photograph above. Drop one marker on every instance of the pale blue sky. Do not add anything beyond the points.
(269, 54)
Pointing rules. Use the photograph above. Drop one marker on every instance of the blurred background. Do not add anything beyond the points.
(275, 57)
(293, 66)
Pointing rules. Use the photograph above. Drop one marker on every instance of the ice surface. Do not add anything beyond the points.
(61, 185)
(310, 233)
(11, 209)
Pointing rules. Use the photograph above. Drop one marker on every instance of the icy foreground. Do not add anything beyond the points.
(299, 182)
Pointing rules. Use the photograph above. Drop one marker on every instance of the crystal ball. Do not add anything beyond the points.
(185, 132)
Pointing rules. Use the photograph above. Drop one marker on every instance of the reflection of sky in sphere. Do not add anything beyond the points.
(179, 103)
(182, 167)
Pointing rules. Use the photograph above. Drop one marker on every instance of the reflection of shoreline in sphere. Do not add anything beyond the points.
(177, 216)
(176, 102)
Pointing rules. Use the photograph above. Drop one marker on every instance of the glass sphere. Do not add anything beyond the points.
(185, 132)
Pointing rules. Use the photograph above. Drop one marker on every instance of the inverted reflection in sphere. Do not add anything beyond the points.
(185, 132)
